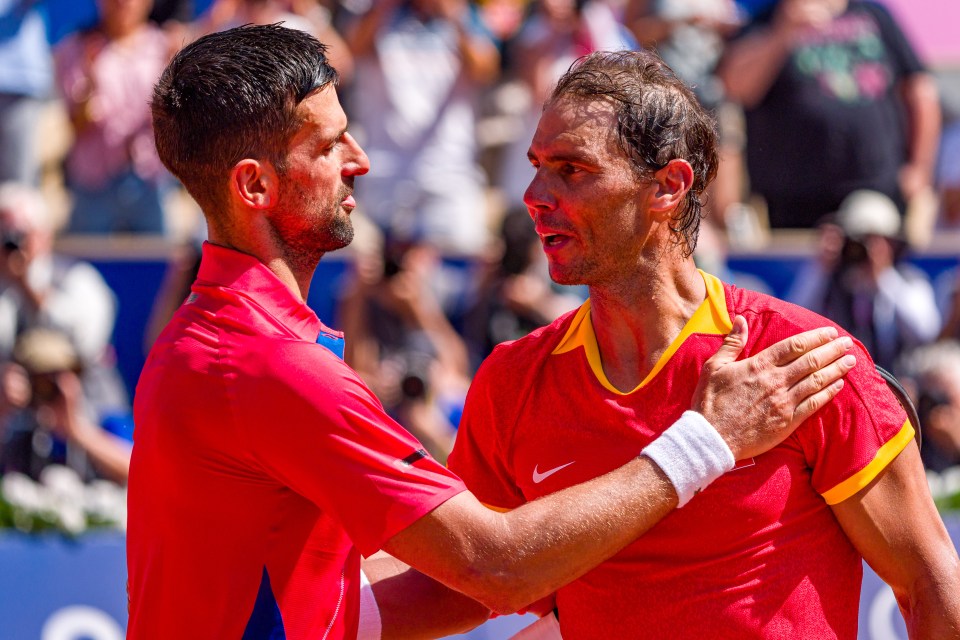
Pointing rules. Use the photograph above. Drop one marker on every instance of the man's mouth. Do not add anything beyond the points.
(551, 239)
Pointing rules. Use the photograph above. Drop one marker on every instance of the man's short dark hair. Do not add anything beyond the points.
(233, 95)
(658, 120)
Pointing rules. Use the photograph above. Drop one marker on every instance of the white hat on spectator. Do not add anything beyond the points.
(865, 213)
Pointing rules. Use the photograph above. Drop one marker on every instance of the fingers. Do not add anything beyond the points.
(733, 344)
(789, 349)
(817, 359)
(816, 401)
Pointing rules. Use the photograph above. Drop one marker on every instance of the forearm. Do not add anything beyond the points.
(596, 520)
(109, 455)
(650, 30)
(479, 57)
(508, 560)
(363, 34)
(413, 605)
(932, 609)
(451, 350)
(914, 554)
(751, 65)
(923, 112)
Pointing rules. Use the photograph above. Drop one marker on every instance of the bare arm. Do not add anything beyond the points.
(646, 26)
(481, 60)
(751, 64)
(362, 35)
(508, 560)
(413, 606)
(920, 97)
(895, 526)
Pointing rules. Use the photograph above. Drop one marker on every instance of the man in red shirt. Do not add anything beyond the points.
(263, 467)
(773, 549)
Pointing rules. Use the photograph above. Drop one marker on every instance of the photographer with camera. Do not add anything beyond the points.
(402, 343)
(861, 281)
(58, 381)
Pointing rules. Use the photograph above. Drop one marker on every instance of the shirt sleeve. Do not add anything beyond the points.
(480, 455)
(902, 55)
(319, 430)
(852, 439)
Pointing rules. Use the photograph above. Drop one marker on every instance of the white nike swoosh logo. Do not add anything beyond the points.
(540, 477)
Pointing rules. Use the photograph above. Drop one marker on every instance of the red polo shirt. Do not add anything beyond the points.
(262, 468)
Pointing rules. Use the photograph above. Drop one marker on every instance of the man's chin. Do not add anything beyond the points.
(564, 277)
(339, 238)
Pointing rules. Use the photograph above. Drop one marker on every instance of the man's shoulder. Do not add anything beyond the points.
(771, 318)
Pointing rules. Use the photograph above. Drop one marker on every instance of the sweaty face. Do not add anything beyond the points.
(585, 198)
(316, 185)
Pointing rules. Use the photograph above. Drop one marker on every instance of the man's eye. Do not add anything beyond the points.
(569, 169)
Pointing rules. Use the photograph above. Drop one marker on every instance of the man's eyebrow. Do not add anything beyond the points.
(577, 156)
(324, 138)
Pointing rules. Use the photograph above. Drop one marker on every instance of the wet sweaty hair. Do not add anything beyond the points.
(233, 95)
(658, 120)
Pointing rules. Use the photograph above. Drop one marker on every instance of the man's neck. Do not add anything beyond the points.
(637, 321)
(295, 274)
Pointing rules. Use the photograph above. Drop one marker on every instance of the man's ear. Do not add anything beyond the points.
(255, 184)
(673, 182)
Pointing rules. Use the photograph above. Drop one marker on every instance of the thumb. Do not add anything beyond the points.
(733, 343)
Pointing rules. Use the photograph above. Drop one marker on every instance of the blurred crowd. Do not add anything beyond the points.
(828, 119)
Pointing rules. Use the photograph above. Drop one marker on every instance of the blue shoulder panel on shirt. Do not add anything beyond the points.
(332, 342)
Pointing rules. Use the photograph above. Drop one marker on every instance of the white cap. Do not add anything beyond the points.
(865, 212)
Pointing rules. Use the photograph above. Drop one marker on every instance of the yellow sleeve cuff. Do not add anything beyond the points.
(865, 476)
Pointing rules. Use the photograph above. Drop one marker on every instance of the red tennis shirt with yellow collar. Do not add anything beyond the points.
(758, 554)
(262, 468)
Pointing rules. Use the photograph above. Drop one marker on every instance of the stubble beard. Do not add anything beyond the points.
(329, 228)
(571, 274)
(334, 229)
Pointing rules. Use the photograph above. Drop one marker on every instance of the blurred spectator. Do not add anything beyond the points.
(503, 17)
(420, 68)
(948, 176)
(689, 35)
(106, 77)
(836, 100)
(402, 344)
(309, 16)
(950, 289)
(26, 77)
(861, 282)
(934, 371)
(557, 33)
(44, 416)
(516, 294)
(58, 378)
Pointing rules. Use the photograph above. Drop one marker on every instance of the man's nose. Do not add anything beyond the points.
(537, 197)
(357, 162)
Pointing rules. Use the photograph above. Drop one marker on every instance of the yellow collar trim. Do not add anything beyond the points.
(711, 318)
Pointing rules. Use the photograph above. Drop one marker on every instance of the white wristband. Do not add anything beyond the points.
(691, 453)
(370, 623)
